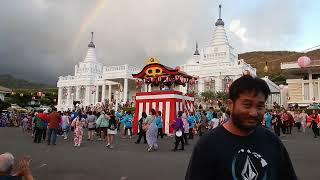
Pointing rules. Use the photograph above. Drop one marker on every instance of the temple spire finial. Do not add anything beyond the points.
(196, 52)
(219, 21)
(91, 44)
(219, 11)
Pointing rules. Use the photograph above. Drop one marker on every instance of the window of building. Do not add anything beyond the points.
(209, 85)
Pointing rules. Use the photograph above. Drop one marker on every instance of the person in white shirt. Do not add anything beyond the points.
(215, 123)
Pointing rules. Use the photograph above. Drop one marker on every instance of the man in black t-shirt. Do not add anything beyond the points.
(241, 149)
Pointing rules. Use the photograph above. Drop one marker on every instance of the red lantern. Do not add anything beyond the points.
(183, 80)
(167, 79)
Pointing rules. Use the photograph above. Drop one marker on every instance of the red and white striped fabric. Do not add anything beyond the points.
(167, 102)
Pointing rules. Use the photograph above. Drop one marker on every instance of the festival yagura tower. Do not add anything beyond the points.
(160, 82)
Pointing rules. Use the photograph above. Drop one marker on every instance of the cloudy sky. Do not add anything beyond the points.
(43, 39)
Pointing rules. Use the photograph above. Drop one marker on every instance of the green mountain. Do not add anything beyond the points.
(9, 81)
(274, 59)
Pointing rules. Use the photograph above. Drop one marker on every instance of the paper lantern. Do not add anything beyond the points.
(183, 80)
(167, 79)
(304, 61)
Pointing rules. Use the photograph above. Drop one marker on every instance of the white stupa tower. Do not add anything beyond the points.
(217, 64)
(90, 65)
(219, 34)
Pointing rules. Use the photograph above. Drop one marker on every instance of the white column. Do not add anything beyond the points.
(125, 90)
(219, 84)
(310, 87)
(68, 96)
(201, 85)
(103, 97)
(60, 95)
(77, 93)
(145, 87)
(116, 96)
(87, 96)
(97, 95)
(109, 93)
(149, 88)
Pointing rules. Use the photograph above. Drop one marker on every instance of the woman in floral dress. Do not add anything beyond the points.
(78, 123)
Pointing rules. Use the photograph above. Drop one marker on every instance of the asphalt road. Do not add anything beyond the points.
(131, 161)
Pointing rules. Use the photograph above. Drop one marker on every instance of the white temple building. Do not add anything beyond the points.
(94, 83)
(216, 65)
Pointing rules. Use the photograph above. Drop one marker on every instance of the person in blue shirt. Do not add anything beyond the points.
(198, 117)
(209, 114)
(268, 120)
(191, 120)
(118, 117)
(127, 121)
(73, 116)
(159, 124)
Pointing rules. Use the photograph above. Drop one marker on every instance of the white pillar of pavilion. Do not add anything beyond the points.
(125, 90)
(68, 95)
(103, 97)
(97, 95)
(60, 95)
(109, 92)
(87, 96)
(145, 88)
(77, 93)
(149, 88)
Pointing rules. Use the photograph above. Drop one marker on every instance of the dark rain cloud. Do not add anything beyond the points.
(42, 39)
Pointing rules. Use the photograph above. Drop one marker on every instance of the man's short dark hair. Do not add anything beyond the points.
(248, 84)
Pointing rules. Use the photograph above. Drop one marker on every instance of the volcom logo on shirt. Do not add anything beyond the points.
(247, 165)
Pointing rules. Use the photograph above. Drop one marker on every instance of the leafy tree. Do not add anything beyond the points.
(46, 101)
(222, 95)
(4, 105)
(209, 95)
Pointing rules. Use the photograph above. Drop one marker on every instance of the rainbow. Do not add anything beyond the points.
(99, 6)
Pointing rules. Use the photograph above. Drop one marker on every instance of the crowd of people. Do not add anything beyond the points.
(103, 124)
